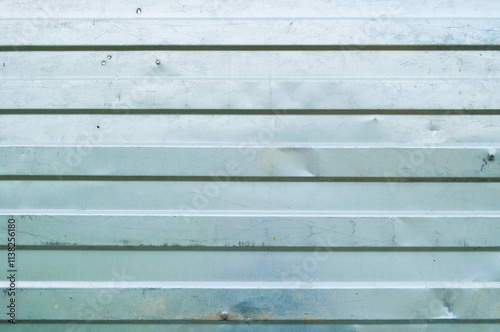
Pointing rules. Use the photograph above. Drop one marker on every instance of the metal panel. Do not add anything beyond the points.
(283, 165)
(243, 32)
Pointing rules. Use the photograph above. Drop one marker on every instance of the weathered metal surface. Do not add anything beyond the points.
(276, 230)
(379, 266)
(283, 165)
(227, 94)
(262, 302)
(253, 196)
(269, 161)
(254, 9)
(243, 31)
(247, 65)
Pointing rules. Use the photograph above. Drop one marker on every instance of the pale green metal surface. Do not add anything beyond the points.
(283, 165)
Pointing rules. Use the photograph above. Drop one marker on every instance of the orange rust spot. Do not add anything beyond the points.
(274, 238)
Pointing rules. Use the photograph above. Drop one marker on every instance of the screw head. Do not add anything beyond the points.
(158, 62)
(138, 11)
(109, 57)
(223, 315)
(103, 63)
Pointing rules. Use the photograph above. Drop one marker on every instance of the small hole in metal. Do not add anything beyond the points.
(109, 57)
(138, 11)
(491, 157)
(103, 63)
(158, 62)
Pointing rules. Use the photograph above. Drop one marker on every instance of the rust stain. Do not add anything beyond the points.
(152, 307)
(297, 296)
(478, 296)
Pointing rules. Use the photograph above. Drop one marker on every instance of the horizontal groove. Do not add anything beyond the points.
(273, 285)
(265, 322)
(243, 214)
(72, 48)
(287, 79)
(281, 112)
(245, 145)
(236, 18)
(250, 248)
(240, 178)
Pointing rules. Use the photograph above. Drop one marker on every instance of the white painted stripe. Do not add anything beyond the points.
(250, 285)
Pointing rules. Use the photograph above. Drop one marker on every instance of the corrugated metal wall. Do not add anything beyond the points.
(285, 165)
